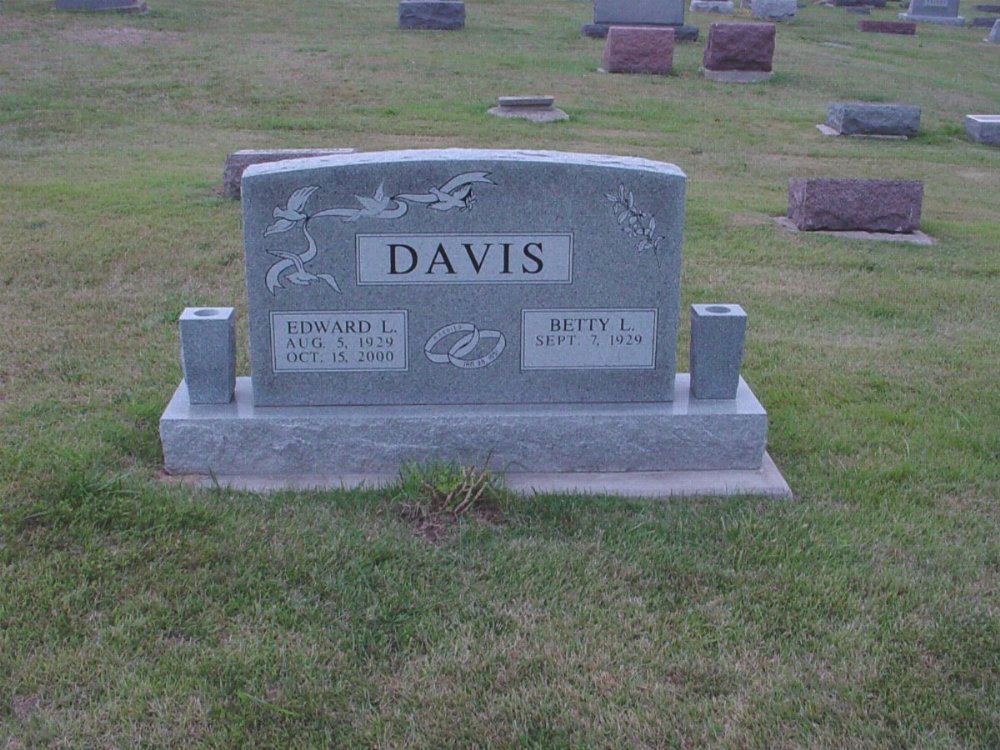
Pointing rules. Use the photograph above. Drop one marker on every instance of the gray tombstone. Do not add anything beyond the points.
(868, 119)
(994, 36)
(943, 12)
(773, 10)
(609, 13)
(984, 128)
(639, 12)
(431, 15)
(518, 307)
(461, 276)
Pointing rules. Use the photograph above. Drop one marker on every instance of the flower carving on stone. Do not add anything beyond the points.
(634, 222)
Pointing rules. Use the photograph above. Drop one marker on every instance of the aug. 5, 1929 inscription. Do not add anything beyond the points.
(341, 341)
(462, 276)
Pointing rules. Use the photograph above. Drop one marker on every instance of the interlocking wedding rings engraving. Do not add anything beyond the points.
(464, 346)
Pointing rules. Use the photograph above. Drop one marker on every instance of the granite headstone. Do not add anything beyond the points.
(462, 276)
(855, 205)
(944, 12)
(609, 13)
(984, 128)
(513, 307)
(873, 119)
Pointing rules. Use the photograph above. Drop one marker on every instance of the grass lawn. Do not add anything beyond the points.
(137, 614)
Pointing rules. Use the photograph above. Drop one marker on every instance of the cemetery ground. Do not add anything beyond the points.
(865, 613)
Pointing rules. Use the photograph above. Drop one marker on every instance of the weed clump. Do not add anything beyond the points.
(435, 494)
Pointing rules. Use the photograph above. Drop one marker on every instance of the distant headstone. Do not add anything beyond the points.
(907, 28)
(534, 108)
(722, 7)
(866, 119)
(855, 205)
(639, 12)
(773, 10)
(983, 22)
(863, 10)
(987, 8)
(434, 15)
(121, 6)
(984, 128)
(470, 305)
(639, 49)
(739, 52)
(943, 12)
(238, 161)
(994, 36)
(609, 13)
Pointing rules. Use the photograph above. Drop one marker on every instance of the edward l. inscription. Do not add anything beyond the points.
(338, 342)
(479, 277)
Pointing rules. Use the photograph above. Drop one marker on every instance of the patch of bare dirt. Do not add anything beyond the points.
(436, 528)
(119, 37)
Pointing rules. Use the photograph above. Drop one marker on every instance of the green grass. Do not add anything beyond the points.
(135, 613)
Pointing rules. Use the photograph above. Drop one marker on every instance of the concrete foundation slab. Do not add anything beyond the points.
(914, 238)
(737, 76)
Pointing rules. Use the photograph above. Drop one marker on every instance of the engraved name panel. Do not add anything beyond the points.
(464, 258)
(588, 339)
(339, 341)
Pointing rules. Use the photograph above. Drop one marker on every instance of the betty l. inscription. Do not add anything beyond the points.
(465, 258)
(588, 339)
(338, 341)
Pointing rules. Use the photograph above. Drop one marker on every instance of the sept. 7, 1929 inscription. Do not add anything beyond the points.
(588, 339)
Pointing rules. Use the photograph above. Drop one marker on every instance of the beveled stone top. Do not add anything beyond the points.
(525, 101)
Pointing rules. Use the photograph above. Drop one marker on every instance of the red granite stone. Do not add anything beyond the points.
(888, 27)
(855, 205)
(639, 49)
(739, 46)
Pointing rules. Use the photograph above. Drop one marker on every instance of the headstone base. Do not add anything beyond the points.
(737, 76)
(600, 31)
(286, 443)
(119, 6)
(940, 20)
(766, 481)
(912, 238)
(827, 130)
(535, 114)
(725, 7)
